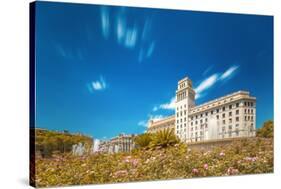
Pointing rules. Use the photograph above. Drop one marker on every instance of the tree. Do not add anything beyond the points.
(266, 131)
(143, 140)
(164, 138)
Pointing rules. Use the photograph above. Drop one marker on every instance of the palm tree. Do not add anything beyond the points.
(164, 138)
(143, 140)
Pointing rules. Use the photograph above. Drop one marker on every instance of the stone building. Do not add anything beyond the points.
(120, 143)
(167, 123)
(230, 116)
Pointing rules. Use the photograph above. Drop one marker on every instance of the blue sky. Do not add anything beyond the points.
(104, 70)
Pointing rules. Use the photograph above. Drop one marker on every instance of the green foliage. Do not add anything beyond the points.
(143, 140)
(174, 162)
(266, 131)
(160, 139)
(49, 142)
(164, 138)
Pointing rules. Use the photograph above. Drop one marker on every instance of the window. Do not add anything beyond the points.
(237, 105)
(237, 119)
(237, 112)
(252, 104)
(201, 115)
(196, 122)
(201, 121)
(230, 106)
(191, 124)
(191, 117)
(245, 111)
(230, 113)
(245, 118)
(223, 115)
(223, 121)
(218, 110)
(230, 127)
(218, 116)
(184, 112)
(223, 108)
(206, 119)
(245, 103)
(252, 111)
(212, 112)
(230, 120)
(206, 113)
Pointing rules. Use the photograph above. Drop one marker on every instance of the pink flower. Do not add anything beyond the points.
(232, 171)
(120, 173)
(195, 171)
(251, 159)
(222, 154)
(206, 166)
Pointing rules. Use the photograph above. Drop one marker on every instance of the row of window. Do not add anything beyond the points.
(250, 104)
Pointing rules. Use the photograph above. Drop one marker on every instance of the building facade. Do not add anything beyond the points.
(167, 123)
(120, 143)
(230, 116)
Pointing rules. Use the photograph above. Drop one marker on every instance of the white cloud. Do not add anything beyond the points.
(170, 105)
(155, 108)
(212, 80)
(166, 106)
(229, 72)
(142, 123)
(97, 85)
(131, 37)
(156, 117)
(150, 49)
(206, 84)
(105, 22)
(120, 29)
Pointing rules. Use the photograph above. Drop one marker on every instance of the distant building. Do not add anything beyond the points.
(230, 116)
(120, 143)
(167, 123)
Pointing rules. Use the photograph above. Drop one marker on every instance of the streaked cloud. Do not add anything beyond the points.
(208, 70)
(206, 84)
(229, 72)
(97, 85)
(150, 49)
(213, 79)
(155, 117)
(166, 106)
(105, 22)
(131, 37)
(143, 123)
(120, 29)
